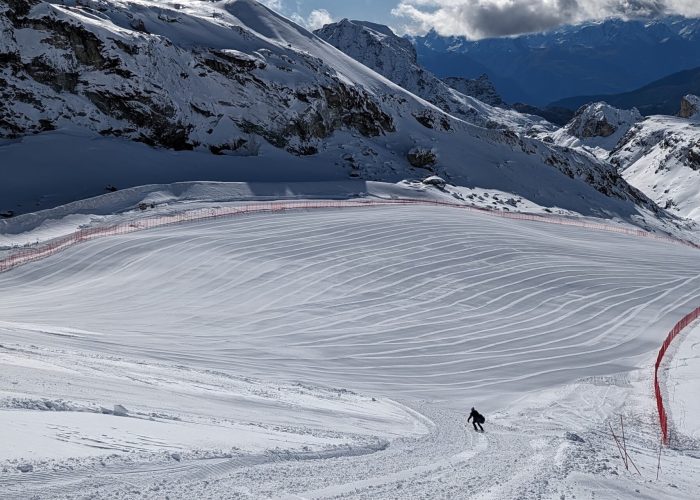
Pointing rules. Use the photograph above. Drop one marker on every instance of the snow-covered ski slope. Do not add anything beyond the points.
(423, 300)
(435, 307)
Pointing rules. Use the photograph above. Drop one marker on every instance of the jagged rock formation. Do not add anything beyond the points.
(690, 106)
(394, 57)
(601, 120)
(597, 127)
(480, 88)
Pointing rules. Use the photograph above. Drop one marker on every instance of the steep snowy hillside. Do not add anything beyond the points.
(661, 157)
(234, 78)
(181, 76)
(598, 127)
(395, 58)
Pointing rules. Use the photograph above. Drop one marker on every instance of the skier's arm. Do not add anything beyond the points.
(470, 417)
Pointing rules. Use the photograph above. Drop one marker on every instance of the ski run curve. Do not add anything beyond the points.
(335, 354)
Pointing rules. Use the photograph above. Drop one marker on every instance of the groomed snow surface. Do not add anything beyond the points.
(336, 353)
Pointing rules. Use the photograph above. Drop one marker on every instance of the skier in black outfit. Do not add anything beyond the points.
(478, 419)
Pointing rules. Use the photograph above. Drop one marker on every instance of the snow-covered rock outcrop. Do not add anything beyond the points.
(597, 128)
(481, 88)
(661, 157)
(690, 107)
(233, 78)
(602, 120)
(394, 57)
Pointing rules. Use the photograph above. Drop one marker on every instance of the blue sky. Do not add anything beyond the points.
(477, 18)
(378, 11)
(375, 10)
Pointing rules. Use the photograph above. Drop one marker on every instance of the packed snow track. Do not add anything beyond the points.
(355, 339)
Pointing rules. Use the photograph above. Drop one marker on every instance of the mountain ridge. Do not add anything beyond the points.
(660, 97)
(605, 57)
(395, 58)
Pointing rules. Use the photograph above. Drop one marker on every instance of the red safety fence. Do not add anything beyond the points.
(675, 331)
(41, 250)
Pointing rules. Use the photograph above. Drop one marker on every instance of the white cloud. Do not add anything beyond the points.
(316, 19)
(483, 18)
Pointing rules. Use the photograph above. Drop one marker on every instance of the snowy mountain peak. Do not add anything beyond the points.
(601, 120)
(661, 156)
(394, 57)
(356, 38)
(597, 128)
(690, 107)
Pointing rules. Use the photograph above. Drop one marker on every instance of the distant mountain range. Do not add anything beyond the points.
(607, 57)
(657, 98)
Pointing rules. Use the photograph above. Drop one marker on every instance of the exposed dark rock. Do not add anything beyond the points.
(690, 106)
(46, 74)
(422, 157)
(354, 109)
(140, 110)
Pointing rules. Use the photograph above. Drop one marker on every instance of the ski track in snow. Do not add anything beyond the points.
(411, 303)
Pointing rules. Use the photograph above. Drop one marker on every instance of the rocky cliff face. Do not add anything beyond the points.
(690, 107)
(659, 155)
(112, 68)
(393, 57)
(601, 120)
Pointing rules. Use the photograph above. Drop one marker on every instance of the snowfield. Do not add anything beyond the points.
(335, 353)
(683, 382)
